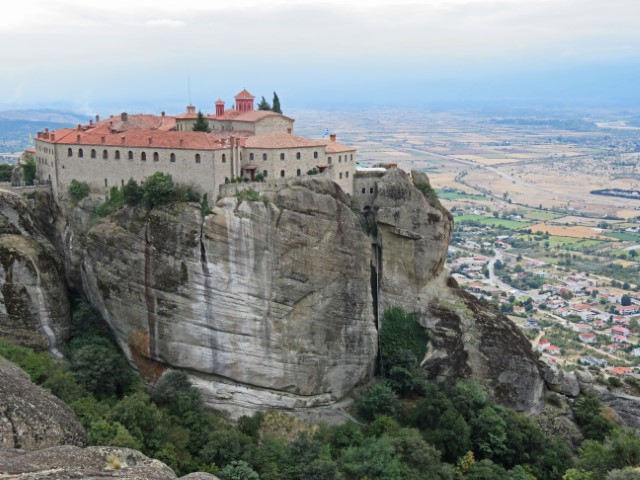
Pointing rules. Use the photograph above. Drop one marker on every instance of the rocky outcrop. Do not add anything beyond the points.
(559, 381)
(627, 407)
(90, 463)
(267, 304)
(30, 417)
(467, 339)
(34, 305)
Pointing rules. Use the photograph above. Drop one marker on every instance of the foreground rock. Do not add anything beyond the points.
(30, 417)
(34, 305)
(89, 463)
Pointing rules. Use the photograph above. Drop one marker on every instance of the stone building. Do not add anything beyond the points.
(243, 143)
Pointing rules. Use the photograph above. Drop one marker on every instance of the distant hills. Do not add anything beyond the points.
(17, 125)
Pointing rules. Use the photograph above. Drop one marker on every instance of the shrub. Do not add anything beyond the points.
(258, 178)
(615, 382)
(379, 399)
(429, 193)
(37, 364)
(77, 191)
(29, 170)
(132, 192)
(313, 171)
(5, 172)
(401, 331)
(248, 194)
(157, 189)
(205, 208)
(114, 201)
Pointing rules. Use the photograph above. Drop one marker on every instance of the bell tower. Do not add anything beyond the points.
(244, 101)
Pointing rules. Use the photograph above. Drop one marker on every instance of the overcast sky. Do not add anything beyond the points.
(98, 55)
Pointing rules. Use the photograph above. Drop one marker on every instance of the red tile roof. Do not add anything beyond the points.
(244, 94)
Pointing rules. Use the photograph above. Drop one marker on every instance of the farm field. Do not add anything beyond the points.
(573, 231)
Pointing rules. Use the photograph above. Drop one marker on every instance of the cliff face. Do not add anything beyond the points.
(266, 303)
(275, 302)
(34, 305)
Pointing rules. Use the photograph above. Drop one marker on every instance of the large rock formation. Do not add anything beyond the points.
(34, 305)
(89, 463)
(266, 303)
(468, 339)
(30, 417)
(274, 303)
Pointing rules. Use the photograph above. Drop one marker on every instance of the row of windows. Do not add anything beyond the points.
(45, 150)
(143, 155)
(282, 156)
(364, 190)
(346, 175)
(329, 159)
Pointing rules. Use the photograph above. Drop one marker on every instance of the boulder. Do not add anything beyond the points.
(560, 381)
(32, 418)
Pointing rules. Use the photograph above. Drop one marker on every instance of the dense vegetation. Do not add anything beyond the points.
(5, 172)
(412, 428)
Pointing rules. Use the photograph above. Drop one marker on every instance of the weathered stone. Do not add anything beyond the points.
(30, 417)
(467, 338)
(34, 305)
(88, 463)
(560, 381)
(585, 380)
(266, 303)
(626, 406)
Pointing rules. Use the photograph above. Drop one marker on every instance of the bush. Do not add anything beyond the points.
(429, 193)
(132, 192)
(400, 331)
(157, 189)
(29, 170)
(5, 172)
(380, 399)
(37, 364)
(77, 191)
(248, 194)
(114, 201)
(615, 382)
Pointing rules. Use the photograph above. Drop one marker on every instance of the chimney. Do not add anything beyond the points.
(53, 137)
(124, 116)
(162, 113)
(39, 134)
(150, 140)
(224, 141)
(97, 118)
(122, 139)
(332, 137)
(77, 138)
(191, 109)
(46, 130)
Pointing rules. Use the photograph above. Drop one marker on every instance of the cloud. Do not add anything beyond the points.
(165, 23)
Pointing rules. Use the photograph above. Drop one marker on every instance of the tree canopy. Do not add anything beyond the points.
(201, 124)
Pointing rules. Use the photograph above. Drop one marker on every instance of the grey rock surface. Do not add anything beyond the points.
(66, 462)
(32, 418)
(34, 305)
(626, 406)
(560, 381)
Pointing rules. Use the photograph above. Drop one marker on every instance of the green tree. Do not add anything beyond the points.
(380, 399)
(375, 459)
(264, 105)
(201, 124)
(239, 470)
(276, 103)
(63, 385)
(577, 474)
(77, 191)
(132, 192)
(157, 189)
(5, 172)
(619, 451)
(401, 331)
(625, 301)
(628, 473)
(587, 411)
(29, 170)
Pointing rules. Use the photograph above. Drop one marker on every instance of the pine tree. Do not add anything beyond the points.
(276, 103)
(264, 105)
(201, 124)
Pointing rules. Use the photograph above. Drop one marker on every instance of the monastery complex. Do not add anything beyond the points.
(243, 143)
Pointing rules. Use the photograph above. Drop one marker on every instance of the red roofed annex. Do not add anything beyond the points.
(243, 142)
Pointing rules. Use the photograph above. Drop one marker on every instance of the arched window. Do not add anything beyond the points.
(69, 153)
(265, 173)
(282, 156)
(143, 156)
(297, 155)
(130, 155)
(251, 156)
(340, 175)
(80, 153)
(329, 160)
(264, 156)
(117, 155)
(172, 157)
(105, 154)
(156, 157)
(315, 154)
(197, 158)
(93, 153)
(298, 172)
(224, 158)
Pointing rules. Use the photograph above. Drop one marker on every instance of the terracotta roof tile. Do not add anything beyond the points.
(244, 94)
